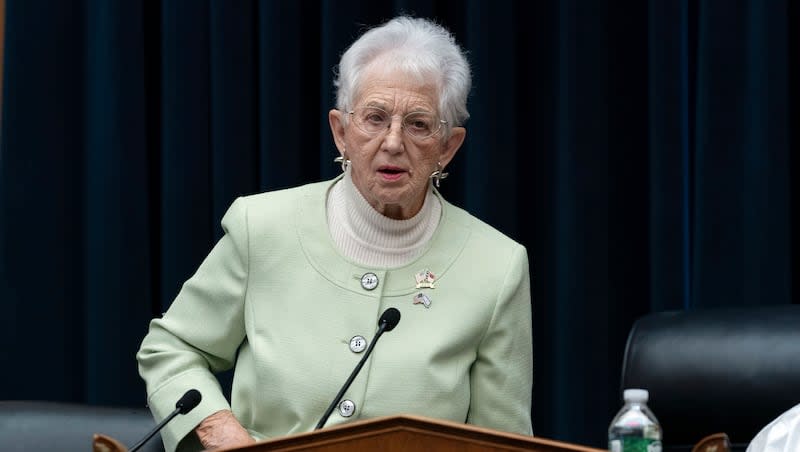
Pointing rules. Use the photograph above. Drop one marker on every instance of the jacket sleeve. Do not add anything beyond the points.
(501, 377)
(200, 333)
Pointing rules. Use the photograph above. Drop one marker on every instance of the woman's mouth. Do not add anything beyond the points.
(391, 173)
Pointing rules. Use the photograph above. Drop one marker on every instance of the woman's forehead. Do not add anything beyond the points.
(394, 88)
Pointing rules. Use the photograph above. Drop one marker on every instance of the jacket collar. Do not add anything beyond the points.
(312, 229)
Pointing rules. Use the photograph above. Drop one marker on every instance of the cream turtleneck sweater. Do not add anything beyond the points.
(367, 237)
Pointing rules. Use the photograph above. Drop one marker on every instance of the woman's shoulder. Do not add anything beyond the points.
(480, 252)
(284, 195)
(280, 200)
(275, 207)
(479, 230)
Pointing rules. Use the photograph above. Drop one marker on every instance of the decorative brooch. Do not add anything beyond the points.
(422, 299)
(425, 278)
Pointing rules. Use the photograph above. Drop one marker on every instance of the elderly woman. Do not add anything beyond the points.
(292, 293)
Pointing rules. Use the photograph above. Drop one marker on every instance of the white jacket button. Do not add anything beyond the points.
(369, 281)
(347, 408)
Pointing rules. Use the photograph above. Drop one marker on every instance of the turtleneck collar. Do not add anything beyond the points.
(367, 237)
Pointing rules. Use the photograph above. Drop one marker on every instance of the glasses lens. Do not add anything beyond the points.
(420, 124)
(371, 119)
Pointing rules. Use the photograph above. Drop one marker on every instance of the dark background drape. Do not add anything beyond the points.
(641, 150)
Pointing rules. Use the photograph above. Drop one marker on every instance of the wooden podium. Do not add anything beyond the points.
(403, 433)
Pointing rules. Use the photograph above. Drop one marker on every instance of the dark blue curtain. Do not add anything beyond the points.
(642, 151)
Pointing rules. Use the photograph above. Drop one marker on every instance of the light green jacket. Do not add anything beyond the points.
(277, 300)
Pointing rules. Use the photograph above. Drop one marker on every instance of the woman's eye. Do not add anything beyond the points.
(418, 124)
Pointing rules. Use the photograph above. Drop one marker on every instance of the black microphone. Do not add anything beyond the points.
(185, 404)
(389, 319)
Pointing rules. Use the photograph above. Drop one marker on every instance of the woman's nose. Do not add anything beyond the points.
(393, 141)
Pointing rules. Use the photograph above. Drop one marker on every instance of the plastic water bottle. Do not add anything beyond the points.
(634, 428)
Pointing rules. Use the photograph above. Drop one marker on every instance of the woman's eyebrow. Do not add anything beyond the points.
(376, 103)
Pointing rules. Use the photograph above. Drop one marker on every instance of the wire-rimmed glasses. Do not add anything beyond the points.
(418, 125)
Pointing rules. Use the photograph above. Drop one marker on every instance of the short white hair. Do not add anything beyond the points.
(414, 46)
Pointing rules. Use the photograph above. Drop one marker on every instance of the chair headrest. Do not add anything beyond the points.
(729, 370)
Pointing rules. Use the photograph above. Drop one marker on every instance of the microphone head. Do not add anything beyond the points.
(391, 317)
(189, 400)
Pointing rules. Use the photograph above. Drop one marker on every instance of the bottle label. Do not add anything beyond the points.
(634, 444)
(652, 431)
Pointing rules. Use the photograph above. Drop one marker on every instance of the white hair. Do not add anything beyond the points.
(416, 47)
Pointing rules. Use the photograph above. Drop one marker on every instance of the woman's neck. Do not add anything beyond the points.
(369, 238)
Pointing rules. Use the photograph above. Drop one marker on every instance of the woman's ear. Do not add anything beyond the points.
(452, 144)
(336, 121)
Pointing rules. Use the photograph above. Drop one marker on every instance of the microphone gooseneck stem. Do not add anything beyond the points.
(351, 378)
(155, 430)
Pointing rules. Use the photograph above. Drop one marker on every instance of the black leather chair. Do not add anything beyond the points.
(722, 370)
(34, 426)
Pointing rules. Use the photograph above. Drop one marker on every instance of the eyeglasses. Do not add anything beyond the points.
(418, 125)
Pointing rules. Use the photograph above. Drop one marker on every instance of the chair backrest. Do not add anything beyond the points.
(34, 426)
(728, 370)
